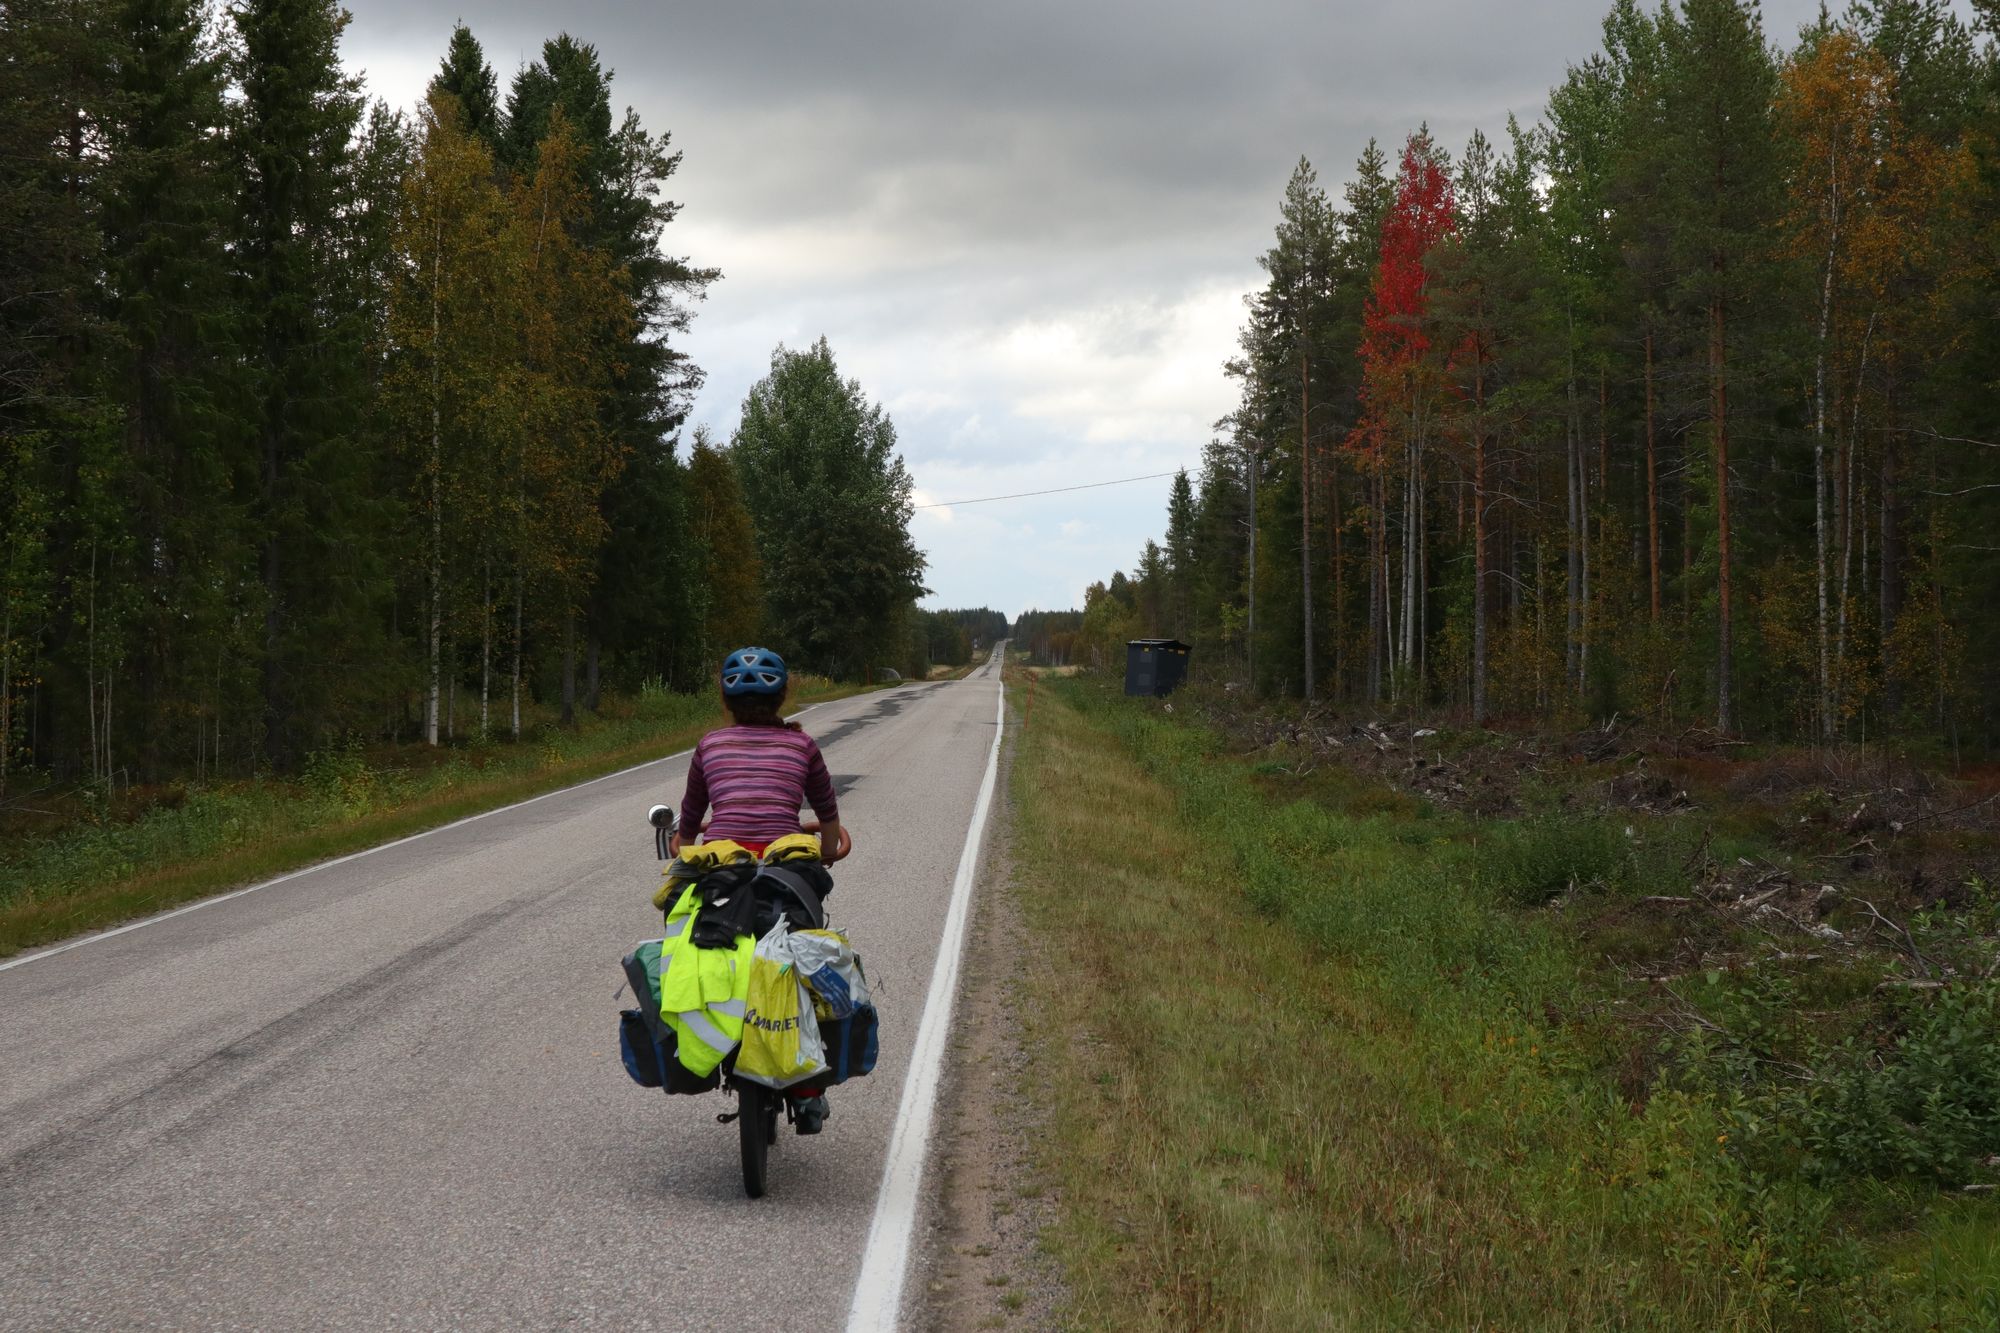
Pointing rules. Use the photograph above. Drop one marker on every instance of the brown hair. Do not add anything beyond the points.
(758, 710)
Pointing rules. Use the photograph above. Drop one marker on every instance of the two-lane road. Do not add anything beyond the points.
(387, 1092)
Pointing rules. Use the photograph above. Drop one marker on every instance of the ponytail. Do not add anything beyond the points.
(759, 710)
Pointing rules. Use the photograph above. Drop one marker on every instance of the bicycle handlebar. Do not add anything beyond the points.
(841, 849)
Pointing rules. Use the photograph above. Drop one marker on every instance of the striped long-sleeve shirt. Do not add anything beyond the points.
(756, 777)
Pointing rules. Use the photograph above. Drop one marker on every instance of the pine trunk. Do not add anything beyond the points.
(437, 495)
(1305, 522)
(518, 591)
(569, 671)
(1334, 526)
(1572, 553)
(1250, 632)
(1718, 411)
(1421, 585)
(1371, 645)
(1652, 487)
(1406, 625)
(90, 661)
(1478, 545)
(485, 648)
(1603, 438)
(1890, 561)
(7, 692)
(1584, 626)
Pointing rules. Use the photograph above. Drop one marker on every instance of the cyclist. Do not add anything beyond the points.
(756, 773)
(760, 770)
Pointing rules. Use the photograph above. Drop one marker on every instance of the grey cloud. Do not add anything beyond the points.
(925, 180)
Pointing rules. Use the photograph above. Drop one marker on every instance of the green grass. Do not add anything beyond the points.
(101, 872)
(1321, 1060)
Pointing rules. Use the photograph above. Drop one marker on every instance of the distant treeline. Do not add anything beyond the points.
(317, 421)
(1050, 637)
(952, 637)
(1681, 403)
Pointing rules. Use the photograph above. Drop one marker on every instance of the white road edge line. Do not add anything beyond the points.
(200, 903)
(878, 1292)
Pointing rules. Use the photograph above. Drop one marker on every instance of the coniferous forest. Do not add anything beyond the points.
(323, 422)
(1680, 404)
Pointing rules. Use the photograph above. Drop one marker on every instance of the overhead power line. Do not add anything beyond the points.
(1057, 490)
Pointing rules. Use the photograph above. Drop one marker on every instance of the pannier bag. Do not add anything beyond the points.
(850, 1045)
(645, 1043)
(848, 1023)
(638, 1050)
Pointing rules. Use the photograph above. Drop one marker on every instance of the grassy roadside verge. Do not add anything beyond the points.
(1308, 1069)
(210, 841)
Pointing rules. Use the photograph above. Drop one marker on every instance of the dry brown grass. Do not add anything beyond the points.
(1343, 1103)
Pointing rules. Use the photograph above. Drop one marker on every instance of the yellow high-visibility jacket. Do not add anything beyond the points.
(702, 991)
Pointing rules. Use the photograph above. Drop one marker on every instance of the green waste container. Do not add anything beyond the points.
(1154, 667)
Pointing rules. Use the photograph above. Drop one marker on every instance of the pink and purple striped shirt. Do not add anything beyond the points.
(756, 778)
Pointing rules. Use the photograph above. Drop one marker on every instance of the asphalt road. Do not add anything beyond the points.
(388, 1094)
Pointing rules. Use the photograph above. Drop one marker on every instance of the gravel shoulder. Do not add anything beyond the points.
(983, 1265)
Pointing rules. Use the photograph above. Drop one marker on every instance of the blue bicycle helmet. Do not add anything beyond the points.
(753, 671)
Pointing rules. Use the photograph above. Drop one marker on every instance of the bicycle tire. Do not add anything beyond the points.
(754, 1133)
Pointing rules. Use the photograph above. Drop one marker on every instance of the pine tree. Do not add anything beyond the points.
(1642, 233)
(1721, 186)
(1469, 292)
(1297, 304)
(1584, 115)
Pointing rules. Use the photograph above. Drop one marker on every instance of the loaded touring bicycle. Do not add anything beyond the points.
(749, 992)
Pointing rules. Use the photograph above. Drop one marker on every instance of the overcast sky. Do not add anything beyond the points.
(1026, 227)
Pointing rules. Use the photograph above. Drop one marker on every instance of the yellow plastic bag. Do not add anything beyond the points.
(781, 1042)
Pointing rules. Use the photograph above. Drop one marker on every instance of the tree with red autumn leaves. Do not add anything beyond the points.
(1402, 381)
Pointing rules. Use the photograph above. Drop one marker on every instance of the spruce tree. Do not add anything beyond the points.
(1220, 554)
(51, 67)
(464, 75)
(1180, 556)
(315, 521)
(174, 368)
(626, 169)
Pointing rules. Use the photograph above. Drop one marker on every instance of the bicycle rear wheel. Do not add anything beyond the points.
(755, 1108)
